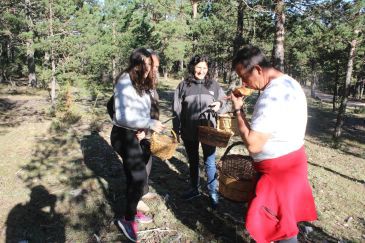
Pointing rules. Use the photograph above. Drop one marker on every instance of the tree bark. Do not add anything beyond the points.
(165, 73)
(32, 79)
(362, 89)
(335, 95)
(53, 64)
(278, 50)
(194, 4)
(238, 40)
(335, 92)
(314, 84)
(345, 94)
(114, 61)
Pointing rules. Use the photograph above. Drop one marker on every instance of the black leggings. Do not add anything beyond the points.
(146, 148)
(126, 144)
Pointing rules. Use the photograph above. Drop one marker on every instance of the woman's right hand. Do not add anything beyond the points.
(140, 134)
(158, 127)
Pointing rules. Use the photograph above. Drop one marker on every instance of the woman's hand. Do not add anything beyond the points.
(140, 135)
(158, 127)
(215, 106)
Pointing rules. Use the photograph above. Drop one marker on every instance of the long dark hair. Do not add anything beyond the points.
(137, 69)
(191, 69)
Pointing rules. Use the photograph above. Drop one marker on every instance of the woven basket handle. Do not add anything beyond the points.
(209, 112)
(172, 132)
(231, 146)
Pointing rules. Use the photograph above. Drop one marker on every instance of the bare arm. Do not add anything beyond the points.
(254, 140)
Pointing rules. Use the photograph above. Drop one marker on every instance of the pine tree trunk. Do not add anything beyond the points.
(165, 73)
(335, 92)
(314, 84)
(53, 64)
(194, 4)
(278, 51)
(114, 61)
(181, 65)
(53, 80)
(238, 40)
(32, 80)
(344, 98)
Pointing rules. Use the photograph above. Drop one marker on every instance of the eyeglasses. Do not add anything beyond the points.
(246, 74)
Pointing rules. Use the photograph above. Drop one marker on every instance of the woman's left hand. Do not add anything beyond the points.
(140, 135)
(215, 106)
(158, 126)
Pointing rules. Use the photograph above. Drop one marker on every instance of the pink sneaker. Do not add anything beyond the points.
(129, 228)
(142, 219)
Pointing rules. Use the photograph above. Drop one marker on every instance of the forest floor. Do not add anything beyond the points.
(60, 180)
(352, 102)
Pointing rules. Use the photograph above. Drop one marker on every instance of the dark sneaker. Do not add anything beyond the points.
(142, 219)
(129, 228)
(214, 200)
(191, 194)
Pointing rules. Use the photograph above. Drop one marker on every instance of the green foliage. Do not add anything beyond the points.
(44, 76)
(359, 110)
(92, 40)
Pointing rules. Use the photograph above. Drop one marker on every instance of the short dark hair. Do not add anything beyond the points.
(191, 69)
(250, 56)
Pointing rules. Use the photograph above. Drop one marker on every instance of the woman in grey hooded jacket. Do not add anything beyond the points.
(193, 98)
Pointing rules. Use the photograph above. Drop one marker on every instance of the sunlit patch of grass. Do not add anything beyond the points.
(70, 117)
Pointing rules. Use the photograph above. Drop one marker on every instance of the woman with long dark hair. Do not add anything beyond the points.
(132, 105)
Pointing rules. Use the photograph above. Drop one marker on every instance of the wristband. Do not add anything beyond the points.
(238, 110)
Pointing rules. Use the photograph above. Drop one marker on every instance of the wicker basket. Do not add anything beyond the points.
(228, 123)
(212, 136)
(163, 146)
(236, 176)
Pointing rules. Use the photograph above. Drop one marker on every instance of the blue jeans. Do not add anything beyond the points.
(192, 150)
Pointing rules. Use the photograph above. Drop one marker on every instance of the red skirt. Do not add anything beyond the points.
(283, 198)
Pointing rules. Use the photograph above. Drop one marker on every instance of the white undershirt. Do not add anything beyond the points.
(281, 111)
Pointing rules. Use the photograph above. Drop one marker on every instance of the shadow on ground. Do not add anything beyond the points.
(15, 112)
(224, 224)
(80, 194)
(100, 158)
(36, 220)
(321, 123)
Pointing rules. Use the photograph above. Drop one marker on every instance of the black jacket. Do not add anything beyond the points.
(191, 101)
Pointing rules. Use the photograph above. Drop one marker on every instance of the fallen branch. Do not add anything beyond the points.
(156, 230)
(18, 171)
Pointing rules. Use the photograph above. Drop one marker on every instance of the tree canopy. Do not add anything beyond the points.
(89, 41)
